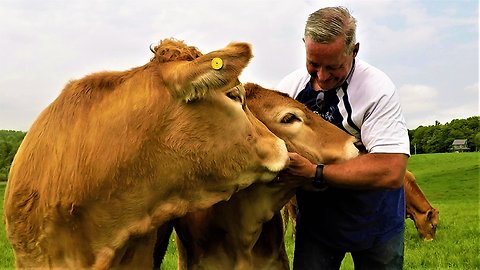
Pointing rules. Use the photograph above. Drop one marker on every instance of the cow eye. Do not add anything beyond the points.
(234, 95)
(289, 118)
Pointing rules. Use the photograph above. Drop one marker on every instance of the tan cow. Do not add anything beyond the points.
(246, 232)
(424, 216)
(118, 154)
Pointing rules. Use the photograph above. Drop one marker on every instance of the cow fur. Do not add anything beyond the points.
(118, 154)
(246, 232)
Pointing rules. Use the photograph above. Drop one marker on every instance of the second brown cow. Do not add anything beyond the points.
(246, 232)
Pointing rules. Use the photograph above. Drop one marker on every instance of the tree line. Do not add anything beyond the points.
(9, 142)
(437, 138)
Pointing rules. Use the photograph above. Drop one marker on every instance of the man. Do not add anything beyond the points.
(363, 209)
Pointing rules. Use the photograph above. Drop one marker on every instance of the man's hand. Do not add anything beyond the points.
(301, 166)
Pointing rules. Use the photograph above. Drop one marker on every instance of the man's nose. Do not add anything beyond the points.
(322, 74)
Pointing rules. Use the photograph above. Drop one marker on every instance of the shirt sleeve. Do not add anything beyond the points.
(294, 83)
(384, 129)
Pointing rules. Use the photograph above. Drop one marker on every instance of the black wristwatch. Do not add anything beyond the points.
(318, 180)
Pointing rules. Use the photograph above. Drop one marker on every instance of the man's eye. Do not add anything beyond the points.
(315, 65)
(334, 68)
(339, 66)
(289, 118)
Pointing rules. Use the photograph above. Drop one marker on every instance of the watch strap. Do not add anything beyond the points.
(318, 180)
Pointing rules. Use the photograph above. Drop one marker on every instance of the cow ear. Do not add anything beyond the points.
(191, 80)
(251, 89)
(429, 215)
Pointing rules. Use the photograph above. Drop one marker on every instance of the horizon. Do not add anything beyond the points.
(434, 124)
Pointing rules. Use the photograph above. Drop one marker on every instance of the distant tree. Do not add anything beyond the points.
(421, 137)
(476, 140)
(10, 140)
(412, 146)
(472, 127)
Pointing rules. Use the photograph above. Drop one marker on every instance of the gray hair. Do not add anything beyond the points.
(327, 24)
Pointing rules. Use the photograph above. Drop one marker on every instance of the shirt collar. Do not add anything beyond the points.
(349, 76)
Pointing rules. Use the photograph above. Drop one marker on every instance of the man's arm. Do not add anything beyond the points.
(368, 171)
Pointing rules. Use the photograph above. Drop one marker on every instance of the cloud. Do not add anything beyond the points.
(417, 98)
(472, 89)
(421, 105)
(441, 115)
(419, 102)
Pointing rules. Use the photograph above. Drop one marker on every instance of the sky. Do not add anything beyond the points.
(428, 48)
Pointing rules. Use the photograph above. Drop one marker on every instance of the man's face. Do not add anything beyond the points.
(327, 63)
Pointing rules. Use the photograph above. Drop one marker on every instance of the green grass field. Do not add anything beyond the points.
(451, 183)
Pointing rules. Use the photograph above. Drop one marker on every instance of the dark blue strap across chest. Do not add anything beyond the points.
(330, 108)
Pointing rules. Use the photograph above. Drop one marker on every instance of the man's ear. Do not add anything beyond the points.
(355, 49)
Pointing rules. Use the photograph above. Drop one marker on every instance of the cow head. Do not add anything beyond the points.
(302, 130)
(214, 123)
(426, 224)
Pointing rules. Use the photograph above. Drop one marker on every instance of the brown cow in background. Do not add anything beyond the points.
(424, 216)
(246, 232)
(419, 209)
(118, 154)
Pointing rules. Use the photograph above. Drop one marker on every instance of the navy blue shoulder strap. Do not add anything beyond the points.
(348, 107)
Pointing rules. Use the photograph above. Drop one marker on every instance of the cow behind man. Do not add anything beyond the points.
(424, 216)
(246, 232)
(118, 154)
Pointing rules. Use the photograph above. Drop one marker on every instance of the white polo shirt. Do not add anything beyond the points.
(367, 107)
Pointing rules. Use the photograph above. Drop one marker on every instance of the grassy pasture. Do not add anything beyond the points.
(451, 183)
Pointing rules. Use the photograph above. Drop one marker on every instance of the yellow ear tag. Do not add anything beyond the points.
(217, 63)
